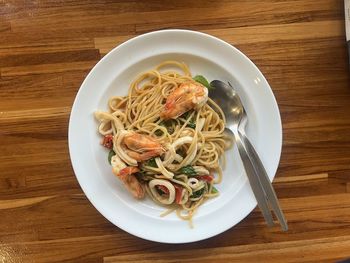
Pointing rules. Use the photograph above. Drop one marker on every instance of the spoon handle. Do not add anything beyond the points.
(265, 181)
(256, 186)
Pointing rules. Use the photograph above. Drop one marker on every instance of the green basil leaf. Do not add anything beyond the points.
(202, 80)
(197, 193)
(186, 114)
(214, 190)
(110, 155)
(188, 170)
(151, 162)
(191, 124)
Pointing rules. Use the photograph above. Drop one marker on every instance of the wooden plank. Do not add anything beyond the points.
(255, 34)
(297, 251)
(245, 14)
(40, 91)
(26, 43)
(66, 232)
(266, 33)
(46, 68)
(48, 58)
(12, 116)
(39, 180)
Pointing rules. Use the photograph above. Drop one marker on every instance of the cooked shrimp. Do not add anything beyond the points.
(142, 147)
(117, 164)
(184, 98)
(126, 175)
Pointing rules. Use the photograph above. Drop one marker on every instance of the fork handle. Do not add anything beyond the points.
(265, 181)
(254, 181)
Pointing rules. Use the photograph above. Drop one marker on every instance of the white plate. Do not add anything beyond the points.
(205, 55)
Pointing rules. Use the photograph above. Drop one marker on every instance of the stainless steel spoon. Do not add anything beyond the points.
(236, 118)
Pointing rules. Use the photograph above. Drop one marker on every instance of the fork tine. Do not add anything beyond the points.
(265, 182)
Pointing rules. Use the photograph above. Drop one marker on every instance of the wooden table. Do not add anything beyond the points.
(48, 47)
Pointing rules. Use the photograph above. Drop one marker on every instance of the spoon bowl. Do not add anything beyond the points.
(225, 96)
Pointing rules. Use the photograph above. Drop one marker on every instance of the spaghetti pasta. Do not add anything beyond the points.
(166, 139)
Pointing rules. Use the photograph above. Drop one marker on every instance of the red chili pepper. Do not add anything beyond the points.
(178, 193)
(108, 141)
(207, 178)
(163, 188)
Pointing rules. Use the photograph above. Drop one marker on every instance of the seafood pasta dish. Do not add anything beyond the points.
(166, 139)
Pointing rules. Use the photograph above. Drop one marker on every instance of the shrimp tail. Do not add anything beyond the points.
(126, 175)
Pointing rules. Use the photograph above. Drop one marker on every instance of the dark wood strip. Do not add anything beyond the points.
(25, 43)
(48, 58)
(220, 16)
(46, 68)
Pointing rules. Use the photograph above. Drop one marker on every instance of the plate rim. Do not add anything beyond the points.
(102, 60)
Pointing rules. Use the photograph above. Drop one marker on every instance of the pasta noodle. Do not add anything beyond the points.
(166, 139)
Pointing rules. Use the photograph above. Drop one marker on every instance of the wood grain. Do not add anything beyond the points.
(48, 47)
(297, 251)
